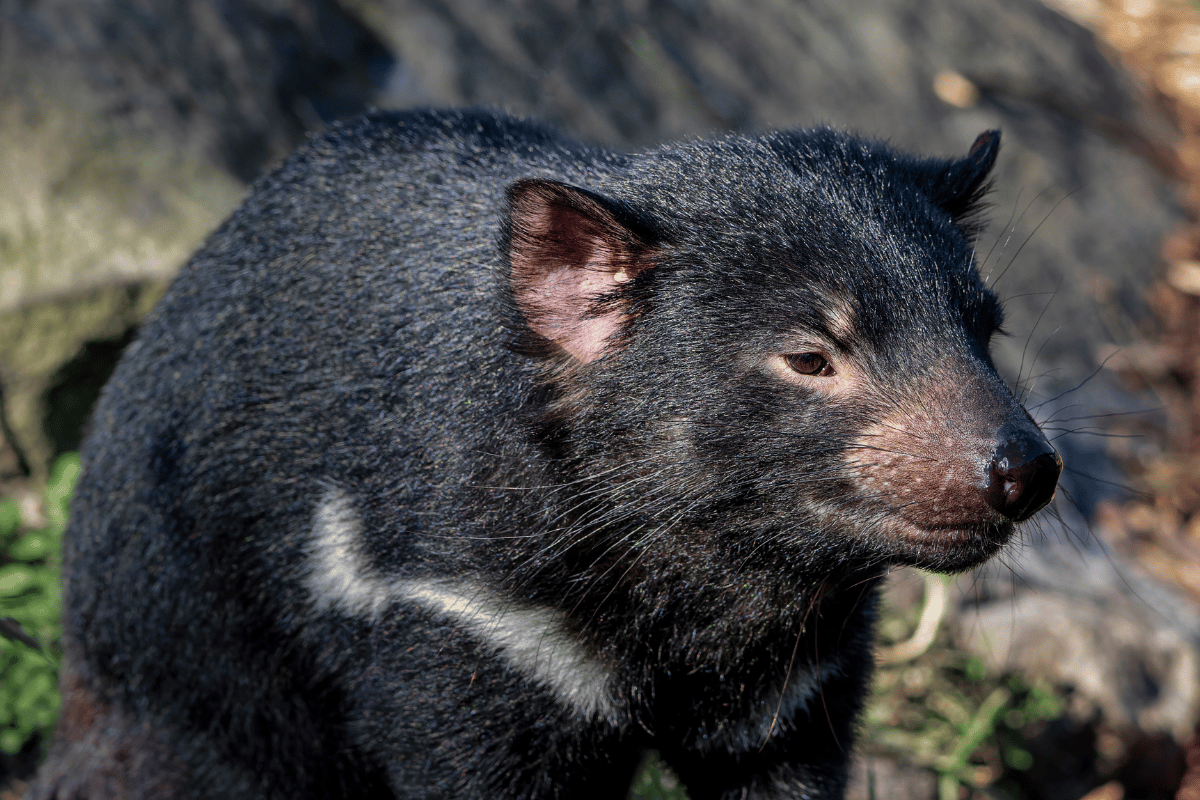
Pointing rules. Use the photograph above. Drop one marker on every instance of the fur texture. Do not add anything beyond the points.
(465, 461)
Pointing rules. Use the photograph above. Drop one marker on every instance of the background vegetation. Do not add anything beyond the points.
(31, 613)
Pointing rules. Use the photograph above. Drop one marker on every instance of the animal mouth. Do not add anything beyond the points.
(945, 546)
(960, 532)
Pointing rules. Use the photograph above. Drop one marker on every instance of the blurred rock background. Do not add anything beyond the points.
(129, 128)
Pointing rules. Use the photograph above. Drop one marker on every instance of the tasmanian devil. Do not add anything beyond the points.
(466, 461)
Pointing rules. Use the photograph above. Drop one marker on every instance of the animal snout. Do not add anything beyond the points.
(1023, 474)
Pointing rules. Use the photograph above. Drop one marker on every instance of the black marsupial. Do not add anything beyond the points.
(466, 461)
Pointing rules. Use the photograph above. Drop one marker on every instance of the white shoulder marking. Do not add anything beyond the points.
(532, 640)
(339, 577)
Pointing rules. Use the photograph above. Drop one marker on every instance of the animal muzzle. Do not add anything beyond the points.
(1023, 475)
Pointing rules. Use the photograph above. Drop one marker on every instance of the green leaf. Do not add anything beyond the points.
(11, 741)
(43, 610)
(10, 517)
(975, 670)
(1018, 758)
(15, 579)
(63, 476)
(32, 546)
(39, 686)
(45, 715)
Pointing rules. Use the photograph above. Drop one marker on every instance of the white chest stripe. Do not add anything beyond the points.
(532, 640)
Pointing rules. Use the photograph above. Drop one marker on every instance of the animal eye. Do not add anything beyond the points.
(810, 364)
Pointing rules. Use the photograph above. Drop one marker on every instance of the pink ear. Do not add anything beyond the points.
(568, 253)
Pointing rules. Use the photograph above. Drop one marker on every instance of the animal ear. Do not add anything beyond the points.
(959, 186)
(569, 251)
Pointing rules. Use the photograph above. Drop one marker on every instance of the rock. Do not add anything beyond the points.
(129, 131)
(1128, 647)
(1119, 659)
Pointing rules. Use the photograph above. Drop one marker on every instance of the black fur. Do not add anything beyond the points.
(539, 392)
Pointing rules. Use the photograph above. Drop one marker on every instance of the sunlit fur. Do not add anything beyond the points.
(464, 461)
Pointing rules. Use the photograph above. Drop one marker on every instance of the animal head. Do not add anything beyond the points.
(781, 345)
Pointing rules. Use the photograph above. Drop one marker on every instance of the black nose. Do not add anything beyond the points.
(1023, 473)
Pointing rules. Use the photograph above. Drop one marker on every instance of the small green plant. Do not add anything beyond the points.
(655, 781)
(31, 613)
(950, 713)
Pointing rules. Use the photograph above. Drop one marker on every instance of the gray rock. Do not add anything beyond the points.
(1128, 647)
(129, 131)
